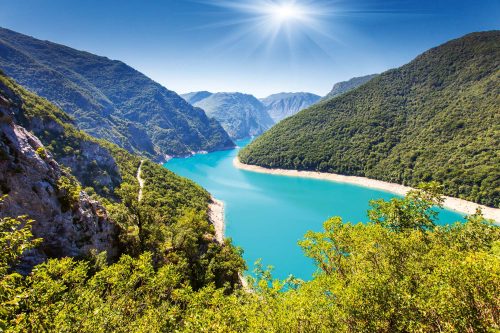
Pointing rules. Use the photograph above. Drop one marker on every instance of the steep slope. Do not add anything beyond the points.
(68, 220)
(283, 105)
(241, 115)
(345, 86)
(194, 97)
(436, 118)
(109, 99)
(170, 221)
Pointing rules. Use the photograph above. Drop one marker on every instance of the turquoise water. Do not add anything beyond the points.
(267, 214)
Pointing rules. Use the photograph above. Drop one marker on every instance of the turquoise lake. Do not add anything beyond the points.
(267, 214)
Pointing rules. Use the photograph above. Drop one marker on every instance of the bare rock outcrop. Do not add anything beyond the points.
(29, 176)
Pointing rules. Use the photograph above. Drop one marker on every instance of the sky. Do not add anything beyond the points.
(258, 47)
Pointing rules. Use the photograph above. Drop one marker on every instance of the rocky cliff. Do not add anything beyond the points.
(68, 220)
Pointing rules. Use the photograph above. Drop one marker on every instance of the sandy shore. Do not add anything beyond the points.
(458, 205)
(216, 215)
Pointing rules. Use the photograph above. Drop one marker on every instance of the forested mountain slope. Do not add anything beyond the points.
(436, 118)
(109, 99)
(82, 194)
(241, 115)
(283, 105)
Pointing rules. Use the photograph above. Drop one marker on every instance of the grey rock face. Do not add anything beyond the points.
(194, 97)
(283, 105)
(30, 180)
(241, 115)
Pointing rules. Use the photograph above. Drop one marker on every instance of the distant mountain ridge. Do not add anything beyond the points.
(196, 96)
(244, 115)
(283, 105)
(345, 86)
(434, 119)
(241, 115)
(109, 99)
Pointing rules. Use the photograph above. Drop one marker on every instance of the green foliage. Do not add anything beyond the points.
(170, 222)
(397, 273)
(15, 239)
(69, 191)
(415, 211)
(40, 151)
(371, 278)
(67, 144)
(435, 118)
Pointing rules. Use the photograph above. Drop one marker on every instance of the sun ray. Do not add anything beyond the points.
(269, 28)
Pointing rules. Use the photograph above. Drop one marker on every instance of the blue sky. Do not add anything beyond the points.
(253, 46)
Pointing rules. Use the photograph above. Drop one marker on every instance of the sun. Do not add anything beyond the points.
(273, 23)
(286, 12)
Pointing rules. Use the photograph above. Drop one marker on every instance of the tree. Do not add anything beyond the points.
(15, 239)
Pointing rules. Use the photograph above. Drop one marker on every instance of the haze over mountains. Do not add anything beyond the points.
(244, 115)
(436, 118)
(283, 105)
(241, 115)
(195, 97)
(109, 99)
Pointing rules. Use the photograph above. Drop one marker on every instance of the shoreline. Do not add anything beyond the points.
(455, 204)
(216, 216)
(167, 157)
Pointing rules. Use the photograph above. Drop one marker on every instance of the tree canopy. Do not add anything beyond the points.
(381, 276)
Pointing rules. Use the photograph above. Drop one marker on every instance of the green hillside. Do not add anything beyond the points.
(436, 118)
(109, 99)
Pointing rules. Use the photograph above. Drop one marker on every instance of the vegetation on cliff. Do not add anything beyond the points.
(398, 272)
(171, 221)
